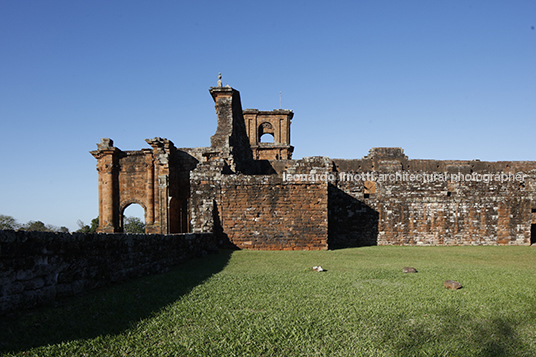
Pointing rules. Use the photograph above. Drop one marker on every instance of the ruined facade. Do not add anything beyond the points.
(253, 195)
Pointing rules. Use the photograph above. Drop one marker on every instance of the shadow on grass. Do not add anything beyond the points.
(106, 311)
(486, 337)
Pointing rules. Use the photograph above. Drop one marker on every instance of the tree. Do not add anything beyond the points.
(36, 226)
(8, 222)
(84, 228)
(94, 224)
(133, 225)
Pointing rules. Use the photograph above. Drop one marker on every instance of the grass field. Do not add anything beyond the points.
(265, 303)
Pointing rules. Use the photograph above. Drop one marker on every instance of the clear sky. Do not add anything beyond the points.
(443, 79)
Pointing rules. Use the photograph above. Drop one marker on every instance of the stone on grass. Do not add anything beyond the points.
(451, 284)
(409, 270)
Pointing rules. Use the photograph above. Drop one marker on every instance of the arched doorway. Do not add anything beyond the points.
(133, 219)
(178, 214)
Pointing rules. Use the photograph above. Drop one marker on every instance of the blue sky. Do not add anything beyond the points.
(442, 79)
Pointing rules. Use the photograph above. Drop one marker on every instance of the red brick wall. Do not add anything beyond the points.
(132, 179)
(260, 213)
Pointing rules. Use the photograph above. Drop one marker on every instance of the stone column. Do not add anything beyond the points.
(106, 224)
(162, 152)
(149, 218)
(163, 190)
(106, 156)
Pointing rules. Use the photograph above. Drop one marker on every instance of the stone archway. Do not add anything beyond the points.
(264, 129)
(133, 211)
(141, 177)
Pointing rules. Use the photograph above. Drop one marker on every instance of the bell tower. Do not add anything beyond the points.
(273, 125)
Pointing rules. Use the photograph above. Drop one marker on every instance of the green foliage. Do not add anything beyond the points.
(133, 225)
(38, 226)
(84, 228)
(266, 303)
(94, 224)
(8, 222)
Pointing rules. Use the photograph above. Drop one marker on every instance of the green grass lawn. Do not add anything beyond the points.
(265, 303)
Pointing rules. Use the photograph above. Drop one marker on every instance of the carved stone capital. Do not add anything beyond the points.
(163, 181)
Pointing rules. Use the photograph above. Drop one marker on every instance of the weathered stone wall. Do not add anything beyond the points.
(262, 212)
(133, 178)
(351, 221)
(241, 188)
(431, 202)
(399, 202)
(38, 267)
(430, 214)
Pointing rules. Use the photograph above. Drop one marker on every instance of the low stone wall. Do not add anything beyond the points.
(38, 267)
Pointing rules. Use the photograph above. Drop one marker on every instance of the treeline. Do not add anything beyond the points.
(8, 222)
(130, 225)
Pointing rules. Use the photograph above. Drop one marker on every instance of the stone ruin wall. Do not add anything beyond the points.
(236, 188)
(262, 212)
(437, 212)
(236, 191)
(157, 179)
(37, 268)
(448, 212)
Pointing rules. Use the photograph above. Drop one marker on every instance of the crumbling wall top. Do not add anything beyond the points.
(105, 144)
(386, 152)
(105, 147)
